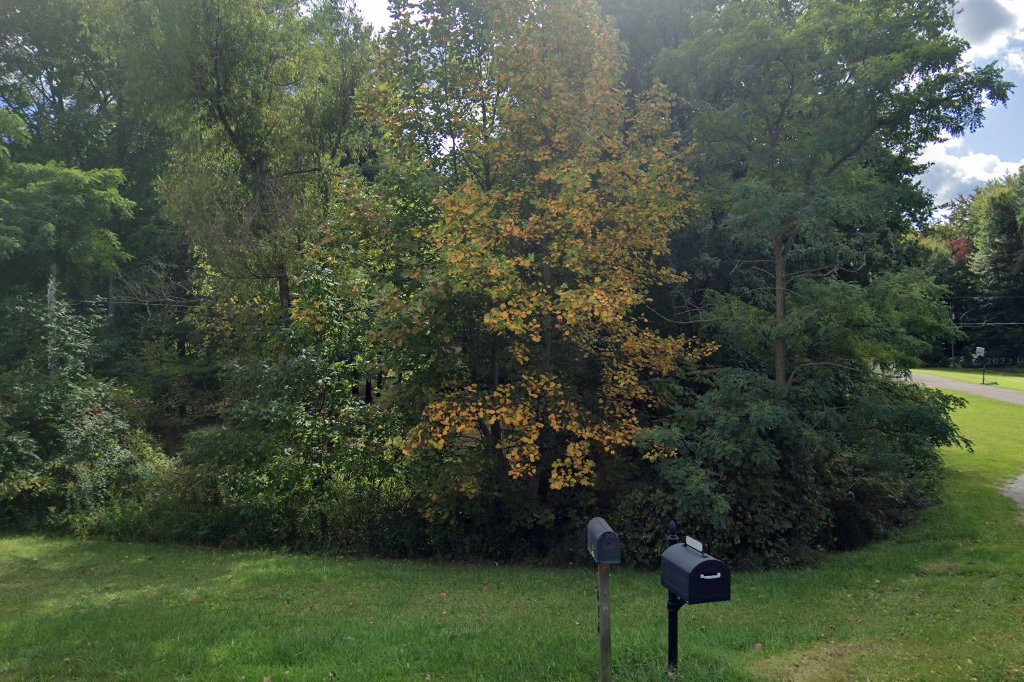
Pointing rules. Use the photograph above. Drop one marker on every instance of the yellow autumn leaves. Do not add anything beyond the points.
(562, 237)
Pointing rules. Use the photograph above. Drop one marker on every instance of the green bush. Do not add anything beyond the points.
(269, 476)
(68, 450)
(837, 462)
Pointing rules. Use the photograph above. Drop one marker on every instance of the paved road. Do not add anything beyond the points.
(1006, 395)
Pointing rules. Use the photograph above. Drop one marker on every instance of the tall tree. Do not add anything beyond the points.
(66, 444)
(553, 247)
(808, 118)
(263, 96)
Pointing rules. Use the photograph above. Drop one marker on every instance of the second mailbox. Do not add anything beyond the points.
(603, 542)
(693, 576)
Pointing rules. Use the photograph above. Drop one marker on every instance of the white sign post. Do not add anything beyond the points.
(979, 352)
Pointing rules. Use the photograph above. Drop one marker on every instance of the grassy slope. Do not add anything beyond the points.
(942, 600)
(1004, 379)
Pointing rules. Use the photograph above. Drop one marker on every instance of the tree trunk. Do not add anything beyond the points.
(51, 289)
(51, 306)
(495, 367)
(284, 293)
(111, 305)
(548, 322)
(780, 249)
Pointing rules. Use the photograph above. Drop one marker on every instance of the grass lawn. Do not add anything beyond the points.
(1003, 378)
(943, 600)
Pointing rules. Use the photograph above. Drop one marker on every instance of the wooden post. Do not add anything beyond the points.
(604, 622)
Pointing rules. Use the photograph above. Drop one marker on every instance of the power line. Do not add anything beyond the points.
(986, 298)
(990, 324)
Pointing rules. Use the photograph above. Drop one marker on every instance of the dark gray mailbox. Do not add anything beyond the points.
(603, 542)
(603, 545)
(693, 576)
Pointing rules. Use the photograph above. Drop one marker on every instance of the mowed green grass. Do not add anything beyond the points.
(942, 600)
(1004, 379)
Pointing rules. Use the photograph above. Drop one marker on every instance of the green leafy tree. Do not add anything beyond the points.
(55, 221)
(259, 99)
(70, 72)
(307, 452)
(58, 78)
(443, 94)
(262, 93)
(808, 119)
(269, 182)
(70, 452)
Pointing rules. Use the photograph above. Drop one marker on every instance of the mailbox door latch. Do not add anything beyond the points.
(716, 576)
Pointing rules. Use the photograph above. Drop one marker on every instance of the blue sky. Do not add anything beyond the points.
(995, 29)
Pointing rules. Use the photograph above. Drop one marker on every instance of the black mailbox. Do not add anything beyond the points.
(693, 576)
(603, 542)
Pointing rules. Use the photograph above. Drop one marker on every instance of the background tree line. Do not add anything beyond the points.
(979, 256)
(271, 279)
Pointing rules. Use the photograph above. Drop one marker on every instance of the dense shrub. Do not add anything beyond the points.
(68, 450)
(839, 462)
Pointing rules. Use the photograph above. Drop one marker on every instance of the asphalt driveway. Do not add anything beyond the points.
(1006, 395)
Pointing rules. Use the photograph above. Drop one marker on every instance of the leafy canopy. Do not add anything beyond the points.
(559, 244)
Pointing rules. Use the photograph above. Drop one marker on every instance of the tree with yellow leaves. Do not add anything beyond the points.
(558, 244)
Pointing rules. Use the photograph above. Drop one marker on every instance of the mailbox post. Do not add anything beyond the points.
(691, 576)
(674, 604)
(603, 545)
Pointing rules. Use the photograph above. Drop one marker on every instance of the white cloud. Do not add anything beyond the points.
(995, 29)
(953, 174)
(1014, 60)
